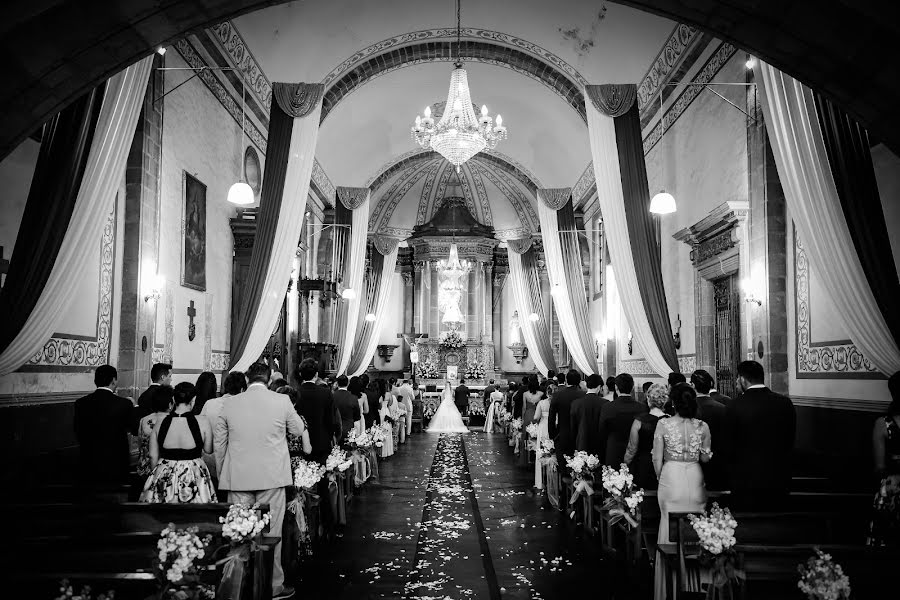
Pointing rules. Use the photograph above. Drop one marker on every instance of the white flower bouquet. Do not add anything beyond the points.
(178, 551)
(377, 435)
(823, 579)
(548, 448)
(243, 523)
(582, 465)
(337, 461)
(475, 370)
(532, 430)
(716, 532)
(516, 424)
(361, 440)
(307, 474)
(623, 498)
(451, 340)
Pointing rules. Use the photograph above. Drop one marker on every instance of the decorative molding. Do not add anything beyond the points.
(669, 56)
(422, 212)
(218, 361)
(687, 363)
(523, 206)
(587, 182)
(554, 198)
(352, 197)
(857, 404)
(78, 352)
(612, 99)
(506, 235)
(39, 399)
(320, 179)
(233, 43)
(822, 360)
(298, 99)
(713, 247)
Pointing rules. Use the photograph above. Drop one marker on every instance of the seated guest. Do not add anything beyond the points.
(163, 402)
(760, 427)
(160, 374)
(586, 417)
(713, 413)
(610, 389)
(638, 453)
(207, 389)
(102, 422)
(316, 405)
(885, 528)
(176, 447)
(347, 405)
(616, 419)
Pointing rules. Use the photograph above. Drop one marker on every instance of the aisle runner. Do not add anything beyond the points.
(452, 556)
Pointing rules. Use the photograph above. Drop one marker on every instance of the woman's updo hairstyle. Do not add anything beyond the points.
(657, 394)
(684, 400)
(185, 392)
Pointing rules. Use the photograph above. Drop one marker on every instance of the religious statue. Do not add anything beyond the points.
(515, 330)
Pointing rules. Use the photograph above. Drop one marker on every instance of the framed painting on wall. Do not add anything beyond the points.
(193, 233)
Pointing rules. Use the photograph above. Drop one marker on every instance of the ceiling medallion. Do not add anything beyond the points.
(459, 135)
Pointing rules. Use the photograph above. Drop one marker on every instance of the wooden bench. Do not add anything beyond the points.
(109, 546)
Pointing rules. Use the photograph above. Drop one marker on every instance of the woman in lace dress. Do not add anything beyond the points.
(680, 444)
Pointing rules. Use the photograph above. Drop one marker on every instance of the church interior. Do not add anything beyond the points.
(209, 185)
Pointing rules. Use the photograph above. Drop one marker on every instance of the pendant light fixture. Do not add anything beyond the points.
(241, 192)
(663, 202)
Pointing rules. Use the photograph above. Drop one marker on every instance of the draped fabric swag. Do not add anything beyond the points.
(564, 271)
(814, 202)
(624, 196)
(79, 226)
(378, 294)
(293, 130)
(357, 200)
(526, 290)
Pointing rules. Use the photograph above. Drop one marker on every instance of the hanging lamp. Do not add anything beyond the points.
(241, 192)
(663, 203)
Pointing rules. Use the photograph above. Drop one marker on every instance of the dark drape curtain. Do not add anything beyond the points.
(571, 254)
(847, 146)
(541, 331)
(642, 231)
(280, 128)
(365, 329)
(65, 146)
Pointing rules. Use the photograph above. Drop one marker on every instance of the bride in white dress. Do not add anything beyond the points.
(446, 418)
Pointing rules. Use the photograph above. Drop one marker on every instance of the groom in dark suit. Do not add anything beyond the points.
(760, 426)
(461, 397)
(102, 423)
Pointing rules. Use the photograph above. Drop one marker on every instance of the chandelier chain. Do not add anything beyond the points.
(458, 27)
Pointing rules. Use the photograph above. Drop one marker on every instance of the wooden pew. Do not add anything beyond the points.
(108, 546)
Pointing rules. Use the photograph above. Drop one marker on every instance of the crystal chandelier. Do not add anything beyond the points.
(459, 135)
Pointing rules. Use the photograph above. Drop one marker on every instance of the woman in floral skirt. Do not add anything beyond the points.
(176, 448)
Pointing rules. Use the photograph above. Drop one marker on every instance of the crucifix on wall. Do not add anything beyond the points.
(411, 338)
(192, 328)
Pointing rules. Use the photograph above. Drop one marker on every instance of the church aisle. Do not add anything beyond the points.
(452, 517)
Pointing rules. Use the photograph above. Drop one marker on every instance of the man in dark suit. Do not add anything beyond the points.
(461, 397)
(317, 407)
(559, 424)
(518, 400)
(347, 405)
(616, 419)
(160, 374)
(490, 389)
(586, 417)
(713, 413)
(760, 426)
(717, 395)
(102, 422)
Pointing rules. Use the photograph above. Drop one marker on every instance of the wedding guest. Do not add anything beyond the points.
(713, 413)
(530, 398)
(519, 398)
(616, 419)
(542, 420)
(387, 419)
(102, 422)
(760, 426)
(461, 397)
(885, 527)
(160, 374)
(717, 395)
(560, 425)
(610, 389)
(317, 407)
(680, 443)
(347, 405)
(177, 444)
(252, 450)
(406, 398)
(207, 389)
(162, 404)
(640, 439)
(355, 387)
(274, 384)
(511, 390)
(487, 391)
(370, 389)
(586, 416)
(674, 379)
(298, 445)
(234, 384)
(644, 387)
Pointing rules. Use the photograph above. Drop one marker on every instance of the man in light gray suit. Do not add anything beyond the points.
(252, 454)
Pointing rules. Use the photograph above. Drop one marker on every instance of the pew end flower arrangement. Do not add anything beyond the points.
(823, 579)
(716, 533)
(307, 475)
(242, 527)
(623, 498)
(582, 466)
(178, 565)
(548, 451)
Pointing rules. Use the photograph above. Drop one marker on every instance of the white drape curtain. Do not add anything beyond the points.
(304, 133)
(605, 154)
(523, 306)
(812, 198)
(355, 270)
(381, 306)
(119, 112)
(556, 273)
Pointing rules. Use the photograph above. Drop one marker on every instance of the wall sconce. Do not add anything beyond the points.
(156, 288)
(630, 343)
(749, 289)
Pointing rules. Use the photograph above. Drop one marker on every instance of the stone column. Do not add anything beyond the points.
(472, 329)
(434, 312)
(419, 295)
(486, 315)
(141, 242)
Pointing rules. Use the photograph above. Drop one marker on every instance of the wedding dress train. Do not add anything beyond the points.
(446, 418)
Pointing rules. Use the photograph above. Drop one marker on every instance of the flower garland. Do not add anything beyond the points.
(307, 474)
(243, 523)
(823, 579)
(451, 340)
(716, 532)
(624, 497)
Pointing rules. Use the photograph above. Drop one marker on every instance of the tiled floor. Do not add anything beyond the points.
(478, 531)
